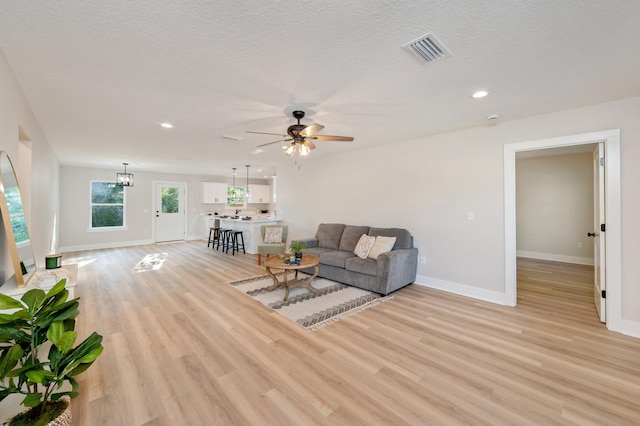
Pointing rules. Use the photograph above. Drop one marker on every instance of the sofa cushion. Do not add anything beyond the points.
(316, 251)
(363, 266)
(335, 258)
(403, 237)
(364, 246)
(350, 237)
(381, 245)
(329, 235)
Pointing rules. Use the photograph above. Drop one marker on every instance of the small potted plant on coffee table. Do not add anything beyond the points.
(37, 322)
(296, 247)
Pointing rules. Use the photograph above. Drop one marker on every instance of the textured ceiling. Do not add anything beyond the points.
(101, 76)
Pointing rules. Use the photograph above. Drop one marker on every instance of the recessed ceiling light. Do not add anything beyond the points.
(480, 94)
(167, 125)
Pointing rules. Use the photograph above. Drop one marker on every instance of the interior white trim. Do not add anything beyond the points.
(611, 139)
(555, 257)
(113, 244)
(461, 289)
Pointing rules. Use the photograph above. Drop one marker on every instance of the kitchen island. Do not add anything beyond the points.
(250, 230)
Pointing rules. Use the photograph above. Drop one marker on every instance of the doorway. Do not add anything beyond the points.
(611, 141)
(555, 209)
(169, 211)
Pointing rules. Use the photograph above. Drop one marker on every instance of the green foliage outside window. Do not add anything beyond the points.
(235, 196)
(16, 213)
(107, 205)
(170, 200)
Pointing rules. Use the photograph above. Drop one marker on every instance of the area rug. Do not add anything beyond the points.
(332, 302)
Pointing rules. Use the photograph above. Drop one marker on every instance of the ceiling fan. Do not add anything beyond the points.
(301, 137)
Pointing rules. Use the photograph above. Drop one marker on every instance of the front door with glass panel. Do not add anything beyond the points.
(169, 211)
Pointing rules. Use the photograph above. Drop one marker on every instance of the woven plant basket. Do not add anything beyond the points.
(64, 419)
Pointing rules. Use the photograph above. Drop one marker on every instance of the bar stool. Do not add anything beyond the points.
(236, 236)
(225, 239)
(214, 236)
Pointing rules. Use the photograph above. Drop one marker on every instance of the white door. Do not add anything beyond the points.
(598, 233)
(169, 211)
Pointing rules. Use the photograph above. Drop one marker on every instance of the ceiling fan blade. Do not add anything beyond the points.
(309, 144)
(331, 138)
(311, 130)
(263, 133)
(271, 143)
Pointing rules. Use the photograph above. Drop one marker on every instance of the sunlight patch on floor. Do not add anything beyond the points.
(151, 262)
(80, 260)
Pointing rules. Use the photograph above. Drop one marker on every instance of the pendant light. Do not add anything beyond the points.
(124, 179)
(233, 201)
(246, 192)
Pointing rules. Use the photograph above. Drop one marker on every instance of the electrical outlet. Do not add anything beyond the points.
(422, 260)
(580, 244)
(471, 215)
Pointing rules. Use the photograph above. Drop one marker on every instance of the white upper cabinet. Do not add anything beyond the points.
(213, 192)
(260, 194)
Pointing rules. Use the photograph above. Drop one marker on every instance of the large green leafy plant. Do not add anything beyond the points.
(37, 321)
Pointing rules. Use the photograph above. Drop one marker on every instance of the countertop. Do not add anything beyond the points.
(257, 220)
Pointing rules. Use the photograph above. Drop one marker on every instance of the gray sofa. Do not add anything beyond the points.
(334, 244)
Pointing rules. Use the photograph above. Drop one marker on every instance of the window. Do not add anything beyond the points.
(170, 200)
(16, 213)
(107, 205)
(235, 196)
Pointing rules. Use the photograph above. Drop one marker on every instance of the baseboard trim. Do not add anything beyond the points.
(555, 257)
(114, 244)
(630, 328)
(462, 289)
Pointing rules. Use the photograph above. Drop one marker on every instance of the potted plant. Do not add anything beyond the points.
(37, 322)
(296, 247)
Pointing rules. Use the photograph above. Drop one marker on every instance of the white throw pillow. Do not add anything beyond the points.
(273, 235)
(364, 246)
(382, 245)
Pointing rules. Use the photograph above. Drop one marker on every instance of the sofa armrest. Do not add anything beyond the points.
(308, 242)
(397, 268)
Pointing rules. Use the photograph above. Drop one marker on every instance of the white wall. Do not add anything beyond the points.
(429, 185)
(42, 201)
(554, 205)
(75, 207)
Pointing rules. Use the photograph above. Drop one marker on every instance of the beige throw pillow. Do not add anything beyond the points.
(364, 246)
(382, 245)
(273, 235)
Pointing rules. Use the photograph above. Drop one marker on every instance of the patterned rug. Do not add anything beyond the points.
(332, 302)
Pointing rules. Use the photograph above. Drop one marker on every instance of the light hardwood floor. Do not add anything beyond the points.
(184, 348)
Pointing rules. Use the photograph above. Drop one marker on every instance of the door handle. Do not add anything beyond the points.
(591, 234)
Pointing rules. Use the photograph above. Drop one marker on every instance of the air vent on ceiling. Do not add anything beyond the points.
(427, 48)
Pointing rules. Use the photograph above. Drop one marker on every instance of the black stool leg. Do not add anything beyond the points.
(210, 241)
(242, 236)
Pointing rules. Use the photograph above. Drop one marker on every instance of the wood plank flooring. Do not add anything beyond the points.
(184, 348)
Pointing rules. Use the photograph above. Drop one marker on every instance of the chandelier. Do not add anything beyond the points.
(124, 179)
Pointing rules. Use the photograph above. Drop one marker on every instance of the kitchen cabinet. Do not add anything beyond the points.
(213, 192)
(260, 194)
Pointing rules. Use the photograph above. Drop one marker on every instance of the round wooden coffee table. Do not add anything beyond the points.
(307, 261)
